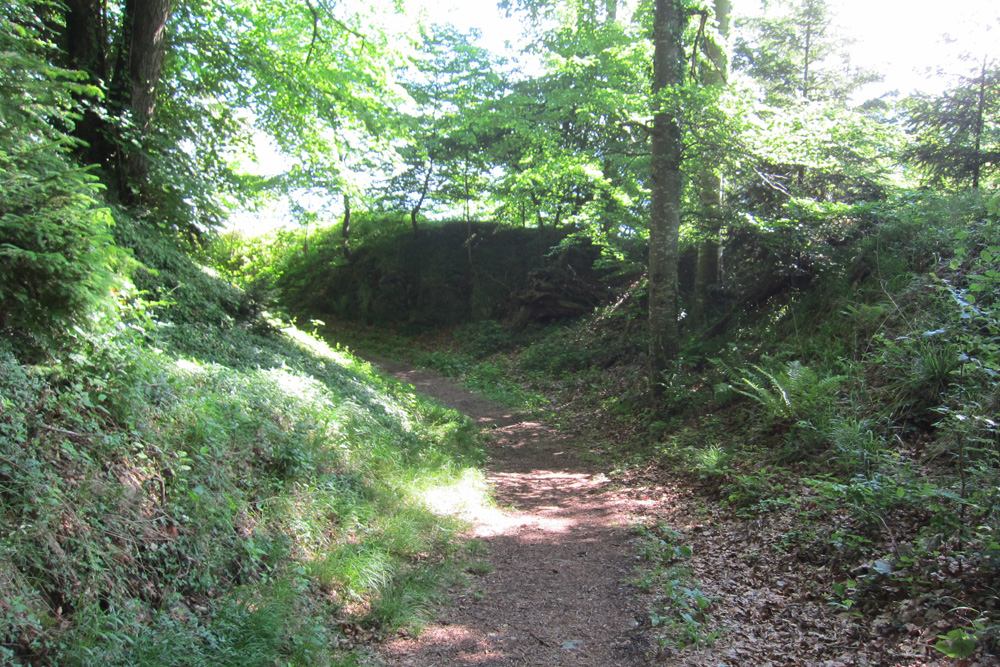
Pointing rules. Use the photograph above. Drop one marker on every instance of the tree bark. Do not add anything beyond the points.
(130, 86)
(146, 51)
(980, 111)
(83, 42)
(346, 229)
(710, 183)
(415, 211)
(665, 189)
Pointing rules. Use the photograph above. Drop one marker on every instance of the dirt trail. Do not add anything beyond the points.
(559, 549)
(558, 596)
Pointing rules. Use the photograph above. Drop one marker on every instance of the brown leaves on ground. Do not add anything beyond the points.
(774, 600)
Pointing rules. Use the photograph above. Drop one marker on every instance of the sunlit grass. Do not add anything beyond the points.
(461, 496)
(294, 494)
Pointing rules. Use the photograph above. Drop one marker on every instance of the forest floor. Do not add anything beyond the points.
(561, 587)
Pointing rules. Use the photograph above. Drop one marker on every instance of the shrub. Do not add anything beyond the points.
(56, 253)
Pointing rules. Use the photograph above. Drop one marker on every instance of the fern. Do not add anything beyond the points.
(795, 394)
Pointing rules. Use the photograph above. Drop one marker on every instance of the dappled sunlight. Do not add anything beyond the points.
(552, 593)
(465, 497)
(494, 522)
(298, 386)
(546, 503)
(319, 348)
(189, 367)
(464, 645)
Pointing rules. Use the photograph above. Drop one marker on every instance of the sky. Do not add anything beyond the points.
(901, 38)
(904, 38)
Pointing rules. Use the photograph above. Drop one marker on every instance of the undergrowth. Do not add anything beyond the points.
(679, 612)
(199, 483)
(892, 437)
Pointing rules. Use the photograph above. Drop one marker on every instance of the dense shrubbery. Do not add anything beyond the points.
(56, 253)
(879, 382)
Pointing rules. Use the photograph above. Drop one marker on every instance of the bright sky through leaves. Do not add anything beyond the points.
(904, 39)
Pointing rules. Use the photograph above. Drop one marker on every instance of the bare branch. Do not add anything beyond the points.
(697, 40)
(315, 35)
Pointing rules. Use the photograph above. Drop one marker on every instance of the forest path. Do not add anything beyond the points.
(559, 550)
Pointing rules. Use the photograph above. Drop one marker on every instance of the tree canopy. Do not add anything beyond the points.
(167, 105)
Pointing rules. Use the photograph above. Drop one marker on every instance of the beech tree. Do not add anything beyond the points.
(665, 185)
(450, 80)
(573, 147)
(126, 64)
(713, 74)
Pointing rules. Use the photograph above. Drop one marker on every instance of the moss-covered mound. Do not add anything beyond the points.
(449, 274)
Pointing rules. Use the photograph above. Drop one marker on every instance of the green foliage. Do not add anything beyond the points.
(795, 52)
(493, 378)
(316, 82)
(446, 275)
(957, 644)
(680, 611)
(755, 493)
(451, 81)
(483, 338)
(957, 133)
(857, 446)
(56, 254)
(203, 489)
(794, 397)
(559, 352)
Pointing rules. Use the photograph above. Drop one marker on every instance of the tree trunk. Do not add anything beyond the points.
(415, 211)
(131, 86)
(665, 189)
(146, 50)
(710, 183)
(346, 229)
(707, 267)
(805, 61)
(83, 43)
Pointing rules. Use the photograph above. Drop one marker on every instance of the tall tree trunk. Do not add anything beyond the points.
(707, 267)
(83, 42)
(665, 189)
(130, 85)
(146, 50)
(806, 92)
(810, 16)
(346, 229)
(415, 211)
(710, 183)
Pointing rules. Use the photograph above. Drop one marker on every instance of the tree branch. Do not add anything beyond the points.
(317, 23)
(694, 47)
(777, 186)
(315, 35)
